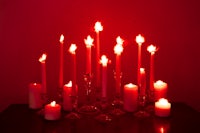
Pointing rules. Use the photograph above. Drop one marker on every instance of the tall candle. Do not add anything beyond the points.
(130, 97)
(104, 62)
(143, 82)
(61, 62)
(52, 111)
(139, 39)
(98, 27)
(35, 100)
(67, 91)
(42, 60)
(72, 50)
(162, 108)
(89, 43)
(160, 89)
(118, 49)
(152, 49)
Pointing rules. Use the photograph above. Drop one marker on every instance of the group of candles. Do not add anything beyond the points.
(53, 110)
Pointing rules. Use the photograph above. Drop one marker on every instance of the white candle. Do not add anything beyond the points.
(67, 91)
(52, 111)
(61, 62)
(88, 43)
(35, 93)
(42, 60)
(162, 108)
(104, 62)
(139, 39)
(130, 97)
(160, 89)
(98, 27)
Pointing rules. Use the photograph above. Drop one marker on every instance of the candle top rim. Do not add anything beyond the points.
(131, 85)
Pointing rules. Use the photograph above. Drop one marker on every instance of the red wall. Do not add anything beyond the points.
(29, 28)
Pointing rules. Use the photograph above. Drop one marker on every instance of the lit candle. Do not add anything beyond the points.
(130, 97)
(67, 90)
(35, 100)
(162, 108)
(72, 50)
(118, 49)
(139, 39)
(61, 62)
(143, 82)
(104, 62)
(98, 27)
(160, 89)
(52, 111)
(42, 60)
(89, 43)
(152, 49)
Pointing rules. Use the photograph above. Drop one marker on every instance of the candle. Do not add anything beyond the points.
(88, 43)
(98, 27)
(42, 60)
(67, 90)
(139, 39)
(52, 111)
(130, 97)
(104, 62)
(35, 100)
(143, 82)
(118, 49)
(160, 89)
(72, 50)
(152, 49)
(61, 62)
(162, 108)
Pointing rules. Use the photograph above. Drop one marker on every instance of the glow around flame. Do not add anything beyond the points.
(62, 38)
(69, 84)
(53, 104)
(104, 60)
(98, 27)
(139, 39)
(72, 48)
(42, 59)
(89, 41)
(152, 49)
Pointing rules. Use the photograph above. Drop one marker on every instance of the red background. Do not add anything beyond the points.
(29, 28)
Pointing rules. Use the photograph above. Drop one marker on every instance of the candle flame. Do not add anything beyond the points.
(163, 101)
(72, 48)
(119, 40)
(42, 59)
(69, 84)
(98, 27)
(89, 41)
(160, 83)
(62, 38)
(118, 47)
(104, 60)
(152, 49)
(161, 130)
(53, 104)
(130, 85)
(140, 39)
(142, 70)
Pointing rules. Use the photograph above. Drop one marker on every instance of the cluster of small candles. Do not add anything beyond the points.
(131, 91)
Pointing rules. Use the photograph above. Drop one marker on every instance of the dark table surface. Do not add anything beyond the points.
(19, 118)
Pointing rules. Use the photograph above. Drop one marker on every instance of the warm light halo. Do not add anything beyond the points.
(139, 39)
(72, 48)
(152, 49)
(89, 41)
(104, 60)
(98, 27)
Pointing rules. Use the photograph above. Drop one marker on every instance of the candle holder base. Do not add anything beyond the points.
(89, 110)
(142, 114)
(73, 116)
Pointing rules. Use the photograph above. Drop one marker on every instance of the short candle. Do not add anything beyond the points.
(162, 108)
(52, 111)
(160, 89)
(35, 99)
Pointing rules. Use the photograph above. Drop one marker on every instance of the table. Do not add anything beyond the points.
(19, 118)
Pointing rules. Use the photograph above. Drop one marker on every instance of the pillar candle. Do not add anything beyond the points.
(160, 89)
(42, 60)
(98, 27)
(52, 111)
(89, 43)
(72, 50)
(35, 93)
(104, 62)
(61, 62)
(67, 90)
(130, 97)
(139, 39)
(162, 108)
